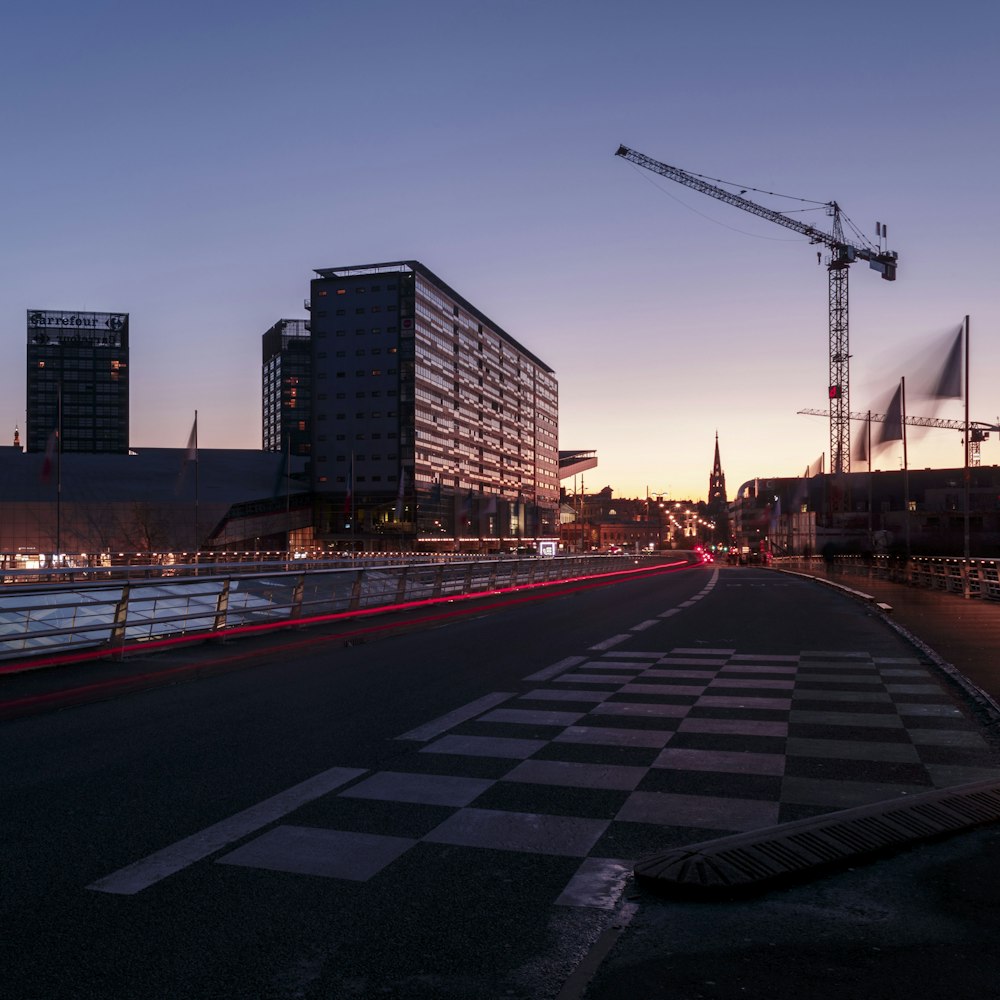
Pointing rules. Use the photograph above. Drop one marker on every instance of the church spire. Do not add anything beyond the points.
(717, 481)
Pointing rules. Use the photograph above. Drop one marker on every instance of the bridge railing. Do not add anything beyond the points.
(52, 620)
(967, 577)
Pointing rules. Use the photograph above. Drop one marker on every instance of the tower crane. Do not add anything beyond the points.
(842, 255)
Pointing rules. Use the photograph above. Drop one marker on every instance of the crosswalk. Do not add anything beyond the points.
(613, 754)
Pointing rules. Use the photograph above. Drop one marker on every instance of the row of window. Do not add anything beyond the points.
(358, 290)
(374, 394)
(361, 310)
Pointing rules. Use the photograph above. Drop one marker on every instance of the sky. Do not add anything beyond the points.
(191, 163)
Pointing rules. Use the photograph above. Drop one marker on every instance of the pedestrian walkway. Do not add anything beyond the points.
(963, 632)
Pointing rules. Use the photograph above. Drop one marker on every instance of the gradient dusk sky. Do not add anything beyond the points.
(191, 163)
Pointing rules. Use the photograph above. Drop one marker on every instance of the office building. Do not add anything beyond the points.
(432, 424)
(78, 380)
(286, 384)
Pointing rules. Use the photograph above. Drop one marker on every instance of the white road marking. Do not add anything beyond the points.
(557, 668)
(436, 727)
(598, 882)
(642, 626)
(613, 641)
(152, 869)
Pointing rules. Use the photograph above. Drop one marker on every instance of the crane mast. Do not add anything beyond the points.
(842, 255)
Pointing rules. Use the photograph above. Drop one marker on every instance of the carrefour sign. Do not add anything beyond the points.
(103, 329)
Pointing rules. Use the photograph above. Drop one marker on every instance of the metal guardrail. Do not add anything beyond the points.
(967, 577)
(60, 619)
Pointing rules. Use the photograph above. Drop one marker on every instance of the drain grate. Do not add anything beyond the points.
(747, 862)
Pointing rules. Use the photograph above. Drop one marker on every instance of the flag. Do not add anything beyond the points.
(191, 452)
(861, 441)
(948, 384)
(190, 455)
(50, 455)
(349, 495)
(491, 505)
(436, 493)
(775, 515)
(892, 426)
(399, 495)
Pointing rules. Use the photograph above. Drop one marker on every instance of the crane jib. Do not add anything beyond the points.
(844, 254)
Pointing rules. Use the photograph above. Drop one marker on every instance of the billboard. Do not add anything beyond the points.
(94, 329)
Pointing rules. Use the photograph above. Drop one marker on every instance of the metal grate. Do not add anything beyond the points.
(753, 861)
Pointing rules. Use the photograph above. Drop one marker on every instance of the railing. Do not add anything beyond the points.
(17, 569)
(968, 577)
(56, 620)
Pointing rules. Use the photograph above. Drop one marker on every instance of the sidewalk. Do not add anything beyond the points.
(963, 633)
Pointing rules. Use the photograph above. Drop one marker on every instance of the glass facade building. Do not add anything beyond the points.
(78, 379)
(286, 387)
(431, 422)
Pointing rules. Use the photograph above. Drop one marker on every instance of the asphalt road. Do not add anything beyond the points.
(449, 812)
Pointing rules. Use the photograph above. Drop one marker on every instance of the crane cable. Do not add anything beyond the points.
(743, 232)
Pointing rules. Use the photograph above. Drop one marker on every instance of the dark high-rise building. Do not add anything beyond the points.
(286, 384)
(77, 379)
(430, 420)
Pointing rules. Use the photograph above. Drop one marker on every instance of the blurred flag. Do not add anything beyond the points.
(349, 495)
(191, 452)
(948, 384)
(861, 441)
(190, 455)
(399, 495)
(50, 456)
(892, 426)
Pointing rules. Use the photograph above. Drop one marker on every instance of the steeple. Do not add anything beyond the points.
(717, 481)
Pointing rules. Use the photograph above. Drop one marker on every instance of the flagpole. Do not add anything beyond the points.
(59, 460)
(906, 464)
(968, 443)
(868, 431)
(197, 532)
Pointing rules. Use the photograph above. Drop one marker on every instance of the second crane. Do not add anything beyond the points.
(842, 255)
